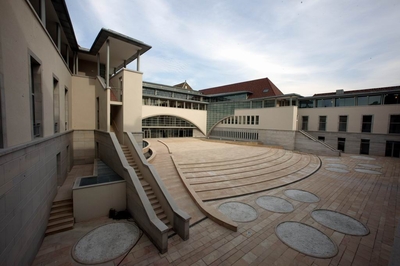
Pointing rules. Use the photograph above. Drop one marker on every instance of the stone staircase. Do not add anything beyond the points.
(61, 217)
(147, 188)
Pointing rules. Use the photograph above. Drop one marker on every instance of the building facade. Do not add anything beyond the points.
(63, 105)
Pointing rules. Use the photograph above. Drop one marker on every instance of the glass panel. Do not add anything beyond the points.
(322, 123)
(345, 102)
(374, 100)
(343, 123)
(325, 103)
(394, 126)
(306, 104)
(366, 123)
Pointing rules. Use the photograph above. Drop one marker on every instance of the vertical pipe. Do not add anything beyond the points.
(138, 61)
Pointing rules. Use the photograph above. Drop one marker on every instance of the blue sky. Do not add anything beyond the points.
(303, 47)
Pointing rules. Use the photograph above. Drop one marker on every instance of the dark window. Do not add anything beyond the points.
(269, 103)
(364, 146)
(394, 126)
(36, 97)
(341, 144)
(345, 102)
(369, 100)
(392, 149)
(393, 98)
(322, 123)
(325, 103)
(306, 104)
(366, 123)
(257, 120)
(321, 138)
(304, 124)
(343, 123)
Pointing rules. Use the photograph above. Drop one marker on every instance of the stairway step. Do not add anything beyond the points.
(155, 200)
(149, 192)
(147, 187)
(152, 196)
(161, 216)
(61, 209)
(58, 216)
(62, 203)
(158, 211)
(58, 229)
(65, 220)
(156, 206)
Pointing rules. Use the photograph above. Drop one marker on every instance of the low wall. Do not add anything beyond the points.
(283, 138)
(84, 147)
(305, 144)
(29, 175)
(95, 201)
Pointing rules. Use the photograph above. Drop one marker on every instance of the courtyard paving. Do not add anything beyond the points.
(369, 195)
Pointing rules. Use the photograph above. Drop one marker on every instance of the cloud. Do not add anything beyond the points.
(301, 46)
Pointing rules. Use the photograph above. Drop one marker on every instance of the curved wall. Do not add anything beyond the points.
(197, 117)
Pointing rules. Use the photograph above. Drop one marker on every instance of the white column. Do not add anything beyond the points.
(43, 11)
(138, 61)
(76, 64)
(108, 64)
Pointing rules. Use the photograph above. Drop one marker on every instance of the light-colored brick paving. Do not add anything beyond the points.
(372, 199)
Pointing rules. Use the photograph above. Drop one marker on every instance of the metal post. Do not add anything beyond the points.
(43, 11)
(138, 61)
(58, 27)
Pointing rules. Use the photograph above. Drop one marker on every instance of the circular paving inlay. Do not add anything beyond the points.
(370, 166)
(337, 170)
(238, 212)
(340, 222)
(306, 239)
(363, 158)
(301, 195)
(367, 171)
(336, 165)
(332, 159)
(106, 243)
(274, 204)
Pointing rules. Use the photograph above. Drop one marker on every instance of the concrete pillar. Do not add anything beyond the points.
(76, 64)
(58, 28)
(43, 11)
(290, 101)
(108, 65)
(138, 61)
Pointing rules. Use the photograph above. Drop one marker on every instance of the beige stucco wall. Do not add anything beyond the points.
(95, 201)
(380, 124)
(197, 117)
(84, 102)
(279, 118)
(132, 100)
(22, 35)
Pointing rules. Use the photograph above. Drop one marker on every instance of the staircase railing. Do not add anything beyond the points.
(178, 218)
(316, 140)
(137, 202)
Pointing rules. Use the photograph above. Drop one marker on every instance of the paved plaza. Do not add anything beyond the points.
(359, 192)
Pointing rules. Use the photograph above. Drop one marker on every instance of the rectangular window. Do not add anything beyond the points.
(321, 138)
(304, 124)
(394, 126)
(240, 120)
(36, 97)
(269, 103)
(257, 120)
(56, 105)
(248, 120)
(392, 149)
(343, 123)
(341, 144)
(366, 124)
(393, 98)
(306, 104)
(350, 101)
(325, 103)
(322, 123)
(364, 146)
(252, 119)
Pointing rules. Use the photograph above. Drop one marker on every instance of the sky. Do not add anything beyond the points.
(302, 46)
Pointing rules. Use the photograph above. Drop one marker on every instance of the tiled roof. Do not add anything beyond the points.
(259, 88)
(372, 90)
